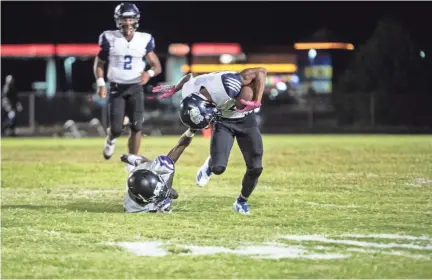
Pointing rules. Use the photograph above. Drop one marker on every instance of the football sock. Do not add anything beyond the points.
(241, 199)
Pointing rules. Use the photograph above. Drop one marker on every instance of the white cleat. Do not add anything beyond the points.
(109, 147)
(241, 207)
(204, 174)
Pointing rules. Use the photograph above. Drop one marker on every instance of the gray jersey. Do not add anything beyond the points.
(162, 166)
(223, 88)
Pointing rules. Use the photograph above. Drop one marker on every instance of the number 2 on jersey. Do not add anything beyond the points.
(127, 65)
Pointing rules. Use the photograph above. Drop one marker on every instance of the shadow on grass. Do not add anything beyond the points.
(94, 207)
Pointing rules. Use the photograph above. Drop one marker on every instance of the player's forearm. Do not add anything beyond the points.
(258, 76)
(133, 159)
(155, 65)
(98, 70)
(182, 144)
(260, 85)
(182, 81)
(186, 138)
(156, 69)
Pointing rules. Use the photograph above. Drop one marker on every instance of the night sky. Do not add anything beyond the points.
(254, 25)
(249, 23)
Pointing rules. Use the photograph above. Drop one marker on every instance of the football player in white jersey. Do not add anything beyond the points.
(149, 186)
(124, 50)
(223, 88)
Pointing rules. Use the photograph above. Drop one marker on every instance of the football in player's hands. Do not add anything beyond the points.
(246, 93)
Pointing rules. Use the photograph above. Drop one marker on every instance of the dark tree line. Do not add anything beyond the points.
(389, 81)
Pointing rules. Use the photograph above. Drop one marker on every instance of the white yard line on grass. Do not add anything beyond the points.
(278, 250)
(389, 236)
(321, 238)
(331, 205)
(424, 181)
(421, 182)
(149, 248)
(155, 249)
(393, 253)
(52, 232)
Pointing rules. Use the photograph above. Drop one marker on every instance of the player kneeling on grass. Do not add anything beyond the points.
(149, 185)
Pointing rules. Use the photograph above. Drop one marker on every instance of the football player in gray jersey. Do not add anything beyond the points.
(149, 185)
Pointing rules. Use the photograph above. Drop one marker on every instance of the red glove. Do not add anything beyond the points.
(250, 105)
(166, 90)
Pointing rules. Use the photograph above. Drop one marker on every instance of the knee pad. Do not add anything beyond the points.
(136, 126)
(218, 169)
(255, 172)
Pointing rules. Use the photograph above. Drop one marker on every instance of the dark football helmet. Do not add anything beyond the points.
(146, 186)
(197, 113)
(127, 16)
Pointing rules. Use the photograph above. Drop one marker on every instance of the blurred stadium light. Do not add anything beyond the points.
(327, 46)
(205, 68)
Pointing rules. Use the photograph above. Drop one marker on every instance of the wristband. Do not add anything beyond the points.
(151, 73)
(100, 82)
(189, 133)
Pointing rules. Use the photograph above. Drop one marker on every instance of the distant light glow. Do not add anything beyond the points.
(422, 54)
(178, 49)
(281, 86)
(226, 58)
(273, 93)
(207, 68)
(312, 54)
(215, 48)
(324, 46)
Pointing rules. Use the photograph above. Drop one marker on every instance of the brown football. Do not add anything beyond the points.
(246, 93)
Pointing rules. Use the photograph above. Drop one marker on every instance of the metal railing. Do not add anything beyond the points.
(42, 115)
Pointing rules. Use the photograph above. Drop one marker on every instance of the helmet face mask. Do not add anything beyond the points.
(127, 16)
(197, 113)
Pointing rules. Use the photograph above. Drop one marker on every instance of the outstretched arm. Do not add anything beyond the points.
(258, 76)
(169, 90)
(184, 141)
(133, 159)
(174, 154)
(182, 81)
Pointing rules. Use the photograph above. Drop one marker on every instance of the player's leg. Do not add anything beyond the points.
(220, 148)
(135, 111)
(13, 119)
(116, 111)
(251, 146)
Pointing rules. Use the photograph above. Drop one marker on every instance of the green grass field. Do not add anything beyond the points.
(62, 203)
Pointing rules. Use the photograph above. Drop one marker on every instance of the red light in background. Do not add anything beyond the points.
(27, 50)
(77, 49)
(178, 49)
(215, 49)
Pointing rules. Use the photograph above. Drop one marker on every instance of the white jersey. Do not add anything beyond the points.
(223, 88)
(162, 166)
(125, 58)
